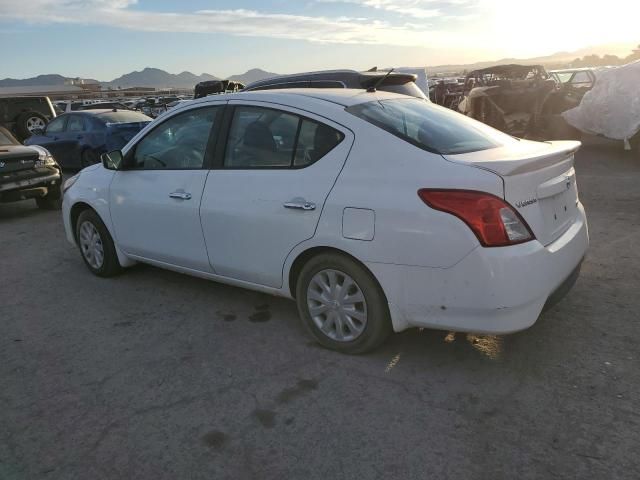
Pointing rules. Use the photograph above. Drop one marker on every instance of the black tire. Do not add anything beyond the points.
(110, 265)
(24, 122)
(89, 157)
(52, 200)
(378, 324)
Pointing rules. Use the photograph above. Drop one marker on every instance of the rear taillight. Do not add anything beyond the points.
(494, 221)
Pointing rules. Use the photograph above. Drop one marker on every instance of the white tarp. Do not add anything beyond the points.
(612, 107)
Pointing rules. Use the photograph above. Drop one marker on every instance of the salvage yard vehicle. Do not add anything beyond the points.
(579, 79)
(521, 100)
(23, 115)
(216, 87)
(28, 173)
(375, 211)
(388, 81)
(77, 139)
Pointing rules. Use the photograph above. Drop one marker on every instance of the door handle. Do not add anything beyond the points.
(300, 205)
(180, 195)
(79, 137)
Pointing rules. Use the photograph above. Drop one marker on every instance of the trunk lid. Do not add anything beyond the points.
(539, 182)
(14, 158)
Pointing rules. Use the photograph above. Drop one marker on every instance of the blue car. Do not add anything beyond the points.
(77, 139)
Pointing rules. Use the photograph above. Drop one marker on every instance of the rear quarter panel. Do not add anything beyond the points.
(384, 173)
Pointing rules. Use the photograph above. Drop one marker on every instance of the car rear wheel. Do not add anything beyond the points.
(29, 122)
(96, 245)
(342, 304)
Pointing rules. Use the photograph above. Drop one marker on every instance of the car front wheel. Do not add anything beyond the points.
(96, 245)
(342, 304)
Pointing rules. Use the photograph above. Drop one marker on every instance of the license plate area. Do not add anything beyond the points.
(559, 210)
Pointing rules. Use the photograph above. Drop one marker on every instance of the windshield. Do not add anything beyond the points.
(124, 117)
(563, 77)
(430, 127)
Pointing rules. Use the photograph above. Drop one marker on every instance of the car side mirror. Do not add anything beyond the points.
(112, 160)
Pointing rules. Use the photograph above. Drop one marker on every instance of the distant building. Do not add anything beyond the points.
(52, 91)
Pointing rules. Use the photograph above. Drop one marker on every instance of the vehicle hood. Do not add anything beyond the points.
(9, 152)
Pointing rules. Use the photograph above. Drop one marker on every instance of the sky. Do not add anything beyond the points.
(104, 39)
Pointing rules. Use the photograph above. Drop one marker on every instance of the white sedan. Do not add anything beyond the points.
(376, 212)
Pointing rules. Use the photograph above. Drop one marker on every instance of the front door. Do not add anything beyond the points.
(52, 140)
(267, 194)
(155, 202)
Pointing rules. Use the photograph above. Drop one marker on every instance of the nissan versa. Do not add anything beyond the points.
(375, 211)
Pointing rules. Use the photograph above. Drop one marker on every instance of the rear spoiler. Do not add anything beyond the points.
(369, 79)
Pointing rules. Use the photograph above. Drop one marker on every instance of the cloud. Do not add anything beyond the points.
(418, 9)
(123, 14)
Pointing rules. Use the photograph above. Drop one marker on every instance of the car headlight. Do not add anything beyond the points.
(45, 159)
(68, 183)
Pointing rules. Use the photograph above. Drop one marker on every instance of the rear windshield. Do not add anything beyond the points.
(124, 117)
(430, 127)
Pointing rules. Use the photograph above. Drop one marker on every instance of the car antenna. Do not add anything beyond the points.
(373, 88)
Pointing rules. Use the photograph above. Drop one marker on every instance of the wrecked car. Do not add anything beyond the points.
(521, 100)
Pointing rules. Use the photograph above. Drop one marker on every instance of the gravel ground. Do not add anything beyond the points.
(156, 375)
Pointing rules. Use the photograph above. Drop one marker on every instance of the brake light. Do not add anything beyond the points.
(492, 220)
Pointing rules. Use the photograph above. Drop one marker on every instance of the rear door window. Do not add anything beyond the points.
(269, 138)
(314, 142)
(430, 127)
(75, 124)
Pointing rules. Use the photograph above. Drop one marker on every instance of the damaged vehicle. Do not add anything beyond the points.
(521, 100)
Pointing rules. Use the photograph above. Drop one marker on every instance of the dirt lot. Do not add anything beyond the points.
(155, 375)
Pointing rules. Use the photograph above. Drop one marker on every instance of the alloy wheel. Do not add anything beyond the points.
(35, 123)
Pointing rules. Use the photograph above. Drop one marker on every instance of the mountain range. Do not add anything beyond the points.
(148, 77)
(154, 77)
(555, 60)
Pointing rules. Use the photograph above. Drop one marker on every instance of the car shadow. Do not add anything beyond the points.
(22, 209)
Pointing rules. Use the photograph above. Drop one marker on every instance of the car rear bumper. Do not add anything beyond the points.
(491, 290)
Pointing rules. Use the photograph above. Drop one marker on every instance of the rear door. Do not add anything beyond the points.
(267, 191)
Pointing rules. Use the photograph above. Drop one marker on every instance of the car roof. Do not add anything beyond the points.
(339, 96)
